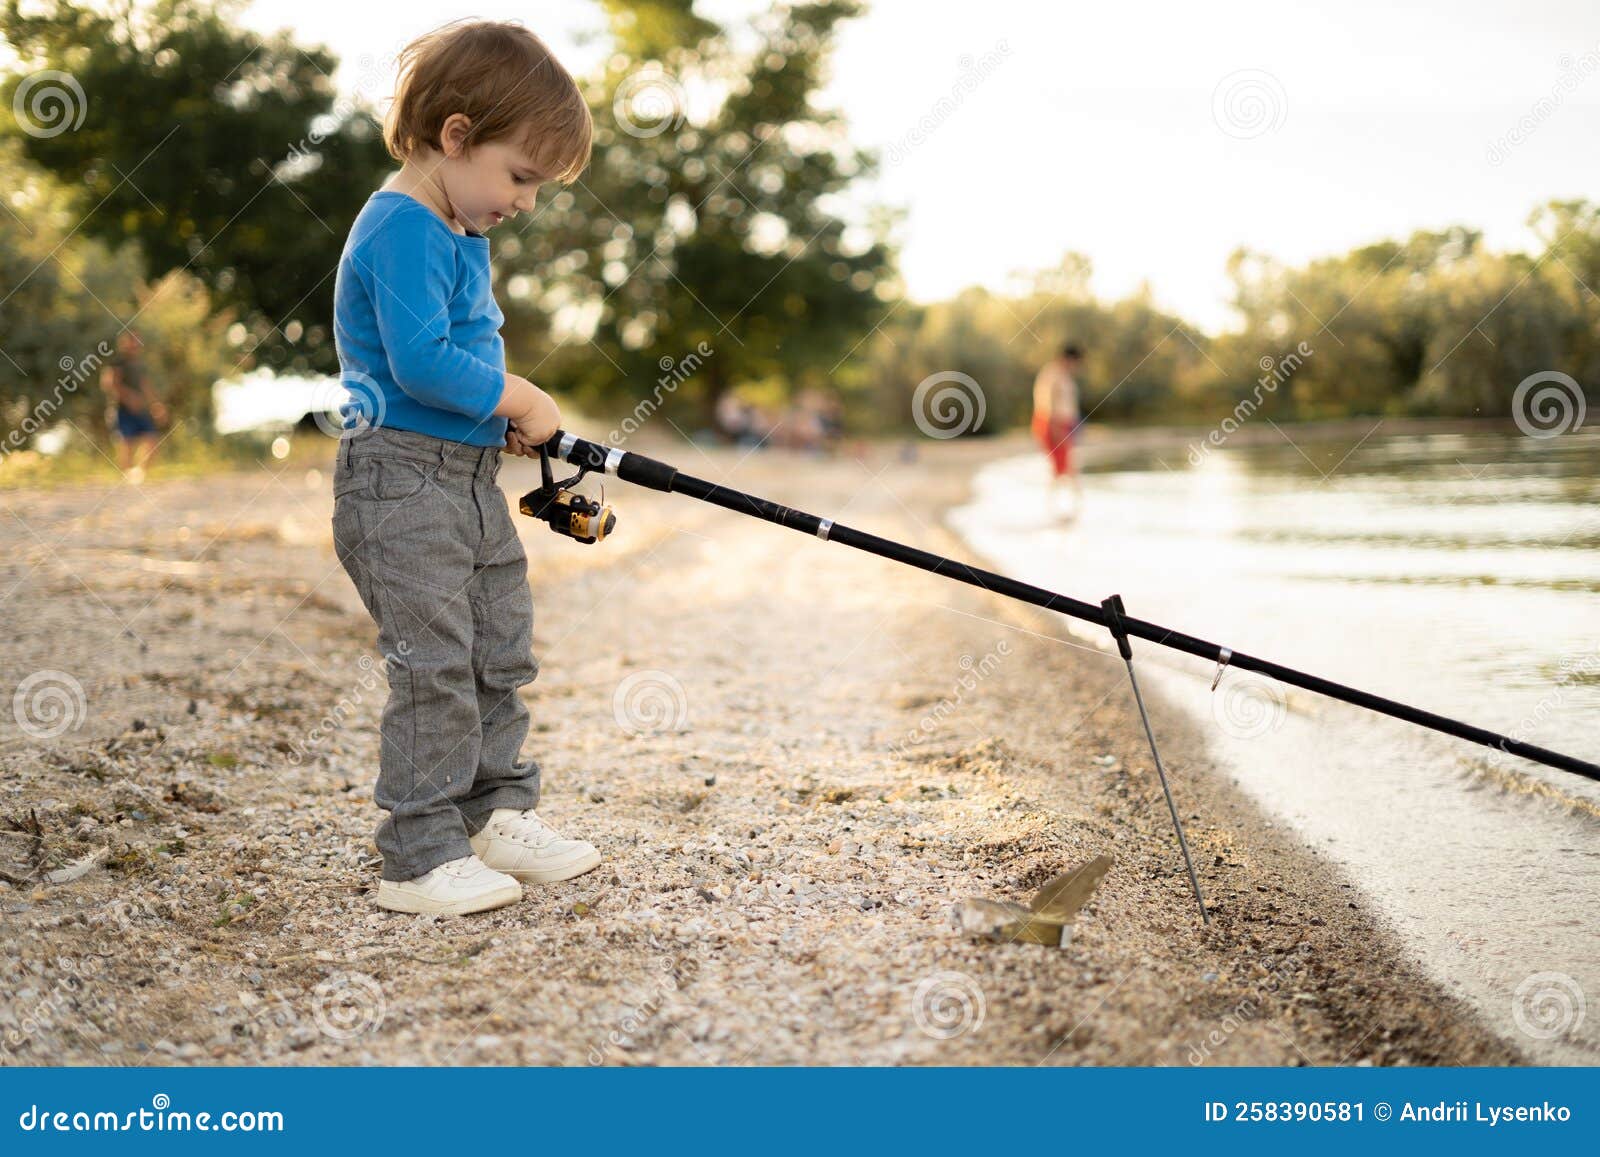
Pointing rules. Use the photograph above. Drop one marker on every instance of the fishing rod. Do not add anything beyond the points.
(589, 521)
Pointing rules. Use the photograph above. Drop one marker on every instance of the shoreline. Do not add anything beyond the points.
(1256, 851)
(717, 709)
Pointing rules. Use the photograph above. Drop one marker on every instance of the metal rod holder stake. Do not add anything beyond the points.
(1113, 615)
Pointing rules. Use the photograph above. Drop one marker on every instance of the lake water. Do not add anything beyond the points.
(1458, 572)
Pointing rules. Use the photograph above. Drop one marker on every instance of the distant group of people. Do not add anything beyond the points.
(812, 423)
(135, 414)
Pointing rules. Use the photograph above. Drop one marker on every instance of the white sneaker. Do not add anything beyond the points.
(451, 889)
(521, 844)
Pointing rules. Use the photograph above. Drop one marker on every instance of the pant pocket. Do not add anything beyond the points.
(347, 547)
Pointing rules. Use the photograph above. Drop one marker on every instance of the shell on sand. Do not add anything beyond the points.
(1048, 917)
(1061, 898)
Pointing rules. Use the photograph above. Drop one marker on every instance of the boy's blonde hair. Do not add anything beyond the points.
(506, 81)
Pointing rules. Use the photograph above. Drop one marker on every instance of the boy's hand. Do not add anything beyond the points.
(537, 425)
(516, 444)
(531, 412)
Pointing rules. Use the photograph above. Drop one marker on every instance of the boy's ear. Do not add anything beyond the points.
(453, 134)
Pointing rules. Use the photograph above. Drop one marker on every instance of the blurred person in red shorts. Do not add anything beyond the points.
(1056, 419)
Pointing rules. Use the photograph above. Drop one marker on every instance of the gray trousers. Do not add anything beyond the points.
(426, 536)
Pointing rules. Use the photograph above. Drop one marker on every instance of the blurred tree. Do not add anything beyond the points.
(1434, 325)
(220, 152)
(1138, 358)
(1496, 318)
(713, 217)
(1570, 231)
(67, 297)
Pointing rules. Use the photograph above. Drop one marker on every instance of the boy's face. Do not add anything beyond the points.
(491, 184)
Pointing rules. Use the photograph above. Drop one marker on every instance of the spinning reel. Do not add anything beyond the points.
(570, 514)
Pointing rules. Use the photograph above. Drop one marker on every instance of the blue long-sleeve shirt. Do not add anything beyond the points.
(416, 325)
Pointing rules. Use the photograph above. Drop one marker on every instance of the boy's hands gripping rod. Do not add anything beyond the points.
(636, 468)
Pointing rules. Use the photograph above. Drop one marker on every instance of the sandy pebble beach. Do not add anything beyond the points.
(795, 758)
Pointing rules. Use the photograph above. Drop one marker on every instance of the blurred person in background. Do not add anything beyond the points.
(136, 413)
(1056, 418)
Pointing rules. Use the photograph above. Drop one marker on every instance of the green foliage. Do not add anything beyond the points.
(714, 221)
(1435, 325)
(218, 152)
(67, 297)
(1137, 357)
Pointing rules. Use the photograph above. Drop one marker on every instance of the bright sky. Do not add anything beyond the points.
(1106, 128)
